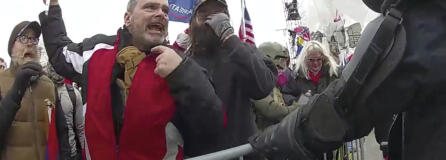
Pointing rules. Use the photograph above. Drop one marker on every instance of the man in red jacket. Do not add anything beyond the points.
(141, 96)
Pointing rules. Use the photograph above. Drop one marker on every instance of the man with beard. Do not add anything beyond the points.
(163, 96)
(24, 94)
(237, 70)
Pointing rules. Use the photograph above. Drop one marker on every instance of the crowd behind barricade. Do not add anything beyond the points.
(133, 96)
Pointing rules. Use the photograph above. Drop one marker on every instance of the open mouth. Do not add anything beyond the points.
(28, 55)
(158, 27)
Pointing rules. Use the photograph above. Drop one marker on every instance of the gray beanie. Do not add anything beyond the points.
(18, 31)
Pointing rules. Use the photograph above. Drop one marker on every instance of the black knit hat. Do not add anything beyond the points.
(19, 29)
(223, 2)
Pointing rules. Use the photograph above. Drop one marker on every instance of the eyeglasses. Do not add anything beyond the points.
(27, 40)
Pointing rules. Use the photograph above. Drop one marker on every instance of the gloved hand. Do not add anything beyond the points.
(183, 41)
(220, 25)
(53, 2)
(282, 141)
(23, 77)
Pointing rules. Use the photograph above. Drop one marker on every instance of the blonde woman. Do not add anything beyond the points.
(315, 70)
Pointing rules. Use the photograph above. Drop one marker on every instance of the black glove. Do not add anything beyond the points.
(23, 77)
(280, 141)
(313, 129)
(220, 25)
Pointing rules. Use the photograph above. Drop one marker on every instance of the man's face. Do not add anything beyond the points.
(280, 62)
(314, 61)
(25, 48)
(201, 33)
(206, 9)
(148, 23)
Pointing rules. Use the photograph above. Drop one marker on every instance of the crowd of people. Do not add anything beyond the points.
(134, 96)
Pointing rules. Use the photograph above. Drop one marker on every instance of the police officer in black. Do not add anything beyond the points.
(398, 68)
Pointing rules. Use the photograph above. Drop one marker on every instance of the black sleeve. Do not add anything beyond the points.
(8, 109)
(401, 89)
(382, 129)
(55, 39)
(292, 88)
(258, 75)
(200, 109)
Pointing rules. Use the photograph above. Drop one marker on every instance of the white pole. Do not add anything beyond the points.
(227, 154)
(242, 25)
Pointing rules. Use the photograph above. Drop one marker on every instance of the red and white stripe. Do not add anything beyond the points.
(246, 32)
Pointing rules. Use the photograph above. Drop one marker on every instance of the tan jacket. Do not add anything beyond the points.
(27, 136)
(271, 109)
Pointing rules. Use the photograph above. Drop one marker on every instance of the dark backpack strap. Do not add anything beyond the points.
(72, 95)
(388, 63)
(377, 62)
(61, 129)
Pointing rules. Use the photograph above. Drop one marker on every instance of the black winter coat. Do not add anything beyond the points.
(301, 85)
(239, 73)
(416, 88)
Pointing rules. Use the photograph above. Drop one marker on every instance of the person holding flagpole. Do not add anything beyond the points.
(142, 99)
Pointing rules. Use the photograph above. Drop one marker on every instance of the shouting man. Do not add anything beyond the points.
(141, 96)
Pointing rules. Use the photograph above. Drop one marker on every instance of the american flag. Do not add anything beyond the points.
(246, 33)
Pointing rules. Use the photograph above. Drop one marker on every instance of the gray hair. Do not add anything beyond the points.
(131, 5)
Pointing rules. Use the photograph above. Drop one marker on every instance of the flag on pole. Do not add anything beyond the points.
(337, 17)
(246, 33)
(181, 10)
(303, 32)
(52, 150)
(302, 35)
